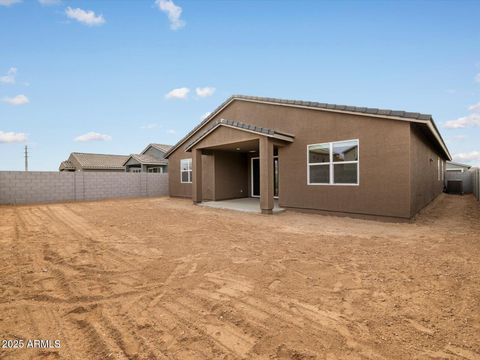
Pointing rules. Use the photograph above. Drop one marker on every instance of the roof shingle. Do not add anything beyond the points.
(100, 161)
(387, 113)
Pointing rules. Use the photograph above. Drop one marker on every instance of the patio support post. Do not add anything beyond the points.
(266, 175)
(197, 176)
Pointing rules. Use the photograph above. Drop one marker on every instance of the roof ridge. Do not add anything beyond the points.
(325, 105)
(85, 153)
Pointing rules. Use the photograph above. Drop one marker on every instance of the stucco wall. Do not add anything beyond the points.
(425, 182)
(231, 175)
(18, 187)
(384, 159)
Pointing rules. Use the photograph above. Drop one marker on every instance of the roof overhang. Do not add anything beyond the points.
(270, 133)
(426, 120)
(143, 162)
(459, 164)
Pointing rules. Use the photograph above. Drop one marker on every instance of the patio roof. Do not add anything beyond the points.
(243, 127)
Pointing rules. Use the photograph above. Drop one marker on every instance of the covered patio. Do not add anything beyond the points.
(235, 165)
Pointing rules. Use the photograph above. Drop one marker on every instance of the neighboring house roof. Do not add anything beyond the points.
(374, 112)
(243, 127)
(146, 160)
(162, 147)
(99, 161)
(66, 165)
(457, 164)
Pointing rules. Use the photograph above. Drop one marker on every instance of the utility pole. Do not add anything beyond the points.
(26, 158)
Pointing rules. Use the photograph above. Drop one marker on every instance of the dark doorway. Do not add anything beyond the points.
(255, 175)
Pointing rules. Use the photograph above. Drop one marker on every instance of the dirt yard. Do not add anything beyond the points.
(161, 278)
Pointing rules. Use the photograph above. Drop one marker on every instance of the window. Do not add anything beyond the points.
(155, 170)
(136, 170)
(438, 168)
(186, 170)
(443, 171)
(334, 163)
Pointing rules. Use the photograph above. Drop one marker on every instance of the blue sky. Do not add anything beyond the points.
(101, 71)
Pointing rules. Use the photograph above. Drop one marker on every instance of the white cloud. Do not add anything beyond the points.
(16, 100)
(149, 126)
(205, 91)
(9, 78)
(477, 78)
(180, 93)
(93, 136)
(171, 131)
(467, 157)
(470, 120)
(204, 116)
(9, 2)
(463, 122)
(174, 12)
(474, 107)
(86, 17)
(12, 137)
(50, 2)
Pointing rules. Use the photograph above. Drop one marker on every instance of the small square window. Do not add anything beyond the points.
(345, 173)
(319, 174)
(345, 151)
(319, 153)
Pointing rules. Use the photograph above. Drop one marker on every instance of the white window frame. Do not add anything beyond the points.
(160, 170)
(438, 168)
(189, 171)
(331, 164)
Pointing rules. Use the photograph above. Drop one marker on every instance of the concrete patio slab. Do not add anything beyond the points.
(244, 204)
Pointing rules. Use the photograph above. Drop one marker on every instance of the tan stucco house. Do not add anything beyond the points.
(151, 159)
(311, 156)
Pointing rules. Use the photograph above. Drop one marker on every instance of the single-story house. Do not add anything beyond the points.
(311, 156)
(457, 167)
(93, 162)
(151, 159)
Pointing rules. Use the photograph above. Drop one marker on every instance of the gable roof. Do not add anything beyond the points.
(99, 161)
(146, 159)
(162, 147)
(425, 119)
(66, 165)
(243, 127)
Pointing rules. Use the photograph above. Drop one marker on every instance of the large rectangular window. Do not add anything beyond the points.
(334, 163)
(186, 170)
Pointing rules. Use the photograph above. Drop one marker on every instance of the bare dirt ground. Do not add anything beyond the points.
(161, 278)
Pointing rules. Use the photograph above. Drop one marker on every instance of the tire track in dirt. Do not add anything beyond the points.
(287, 310)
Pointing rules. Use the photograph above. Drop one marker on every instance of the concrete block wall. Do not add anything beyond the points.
(19, 187)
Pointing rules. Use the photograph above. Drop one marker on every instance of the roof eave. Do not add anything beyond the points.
(427, 119)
